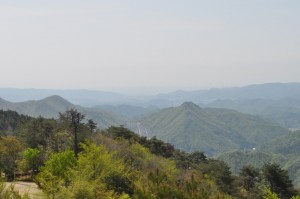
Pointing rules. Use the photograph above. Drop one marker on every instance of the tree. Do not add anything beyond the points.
(249, 176)
(56, 172)
(92, 126)
(32, 159)
(73, 119)
(37, 132)
(10, 151)
(278, 180)
(220, 173)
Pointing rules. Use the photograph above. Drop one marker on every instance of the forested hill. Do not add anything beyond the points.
(51, 106)
(211, 130)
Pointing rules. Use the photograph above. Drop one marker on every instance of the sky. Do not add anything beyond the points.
(148, 45)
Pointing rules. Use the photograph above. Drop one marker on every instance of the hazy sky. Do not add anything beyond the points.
(131, 44)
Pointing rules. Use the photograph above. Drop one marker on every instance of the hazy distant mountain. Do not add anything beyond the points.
(285, 111)
(90, 98)
(211, 130)
(48, 107)
(78, 97)
(260, 91)
(51, 106)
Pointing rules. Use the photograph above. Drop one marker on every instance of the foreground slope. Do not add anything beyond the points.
(191, 128)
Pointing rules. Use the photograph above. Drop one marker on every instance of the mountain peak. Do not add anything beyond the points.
(56, 100)
(189, 105)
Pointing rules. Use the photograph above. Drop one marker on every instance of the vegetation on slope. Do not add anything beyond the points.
(189, 127)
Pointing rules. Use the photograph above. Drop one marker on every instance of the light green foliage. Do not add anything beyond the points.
(59, 163)
(95, 162)
(95, 174)
(270, 195)
(56, 172)
(32, 159)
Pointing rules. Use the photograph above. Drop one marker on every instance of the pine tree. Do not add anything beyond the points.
(278, 180)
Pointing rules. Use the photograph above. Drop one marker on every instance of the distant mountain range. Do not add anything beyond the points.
(285, 111)
(273, 91)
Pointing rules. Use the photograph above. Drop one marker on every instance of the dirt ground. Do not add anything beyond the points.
(27, 187)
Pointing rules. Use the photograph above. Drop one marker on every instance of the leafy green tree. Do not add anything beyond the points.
(98, 174)
(278, 180)
(56, 172)
(32, 160)
(10, 152)
(270, 195)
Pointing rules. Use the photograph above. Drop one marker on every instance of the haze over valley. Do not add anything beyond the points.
(150, 99)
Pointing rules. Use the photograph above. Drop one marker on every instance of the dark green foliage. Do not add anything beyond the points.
(220, 173)
(278, 180)
(10, 120)
(155, 145)
(119, 183)
(250, 176)
(159, 147)
(121, 133)
(37, 132)
(73, 121)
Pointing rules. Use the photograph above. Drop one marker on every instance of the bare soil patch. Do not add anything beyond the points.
(27, 187)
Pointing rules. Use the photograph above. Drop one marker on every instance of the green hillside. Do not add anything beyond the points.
(283, 150)
(252, 128)
(237, 159)
(191, 128)
(286, 144)
(127, 111)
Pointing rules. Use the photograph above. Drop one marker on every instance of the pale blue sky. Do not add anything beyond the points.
(155, 44)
